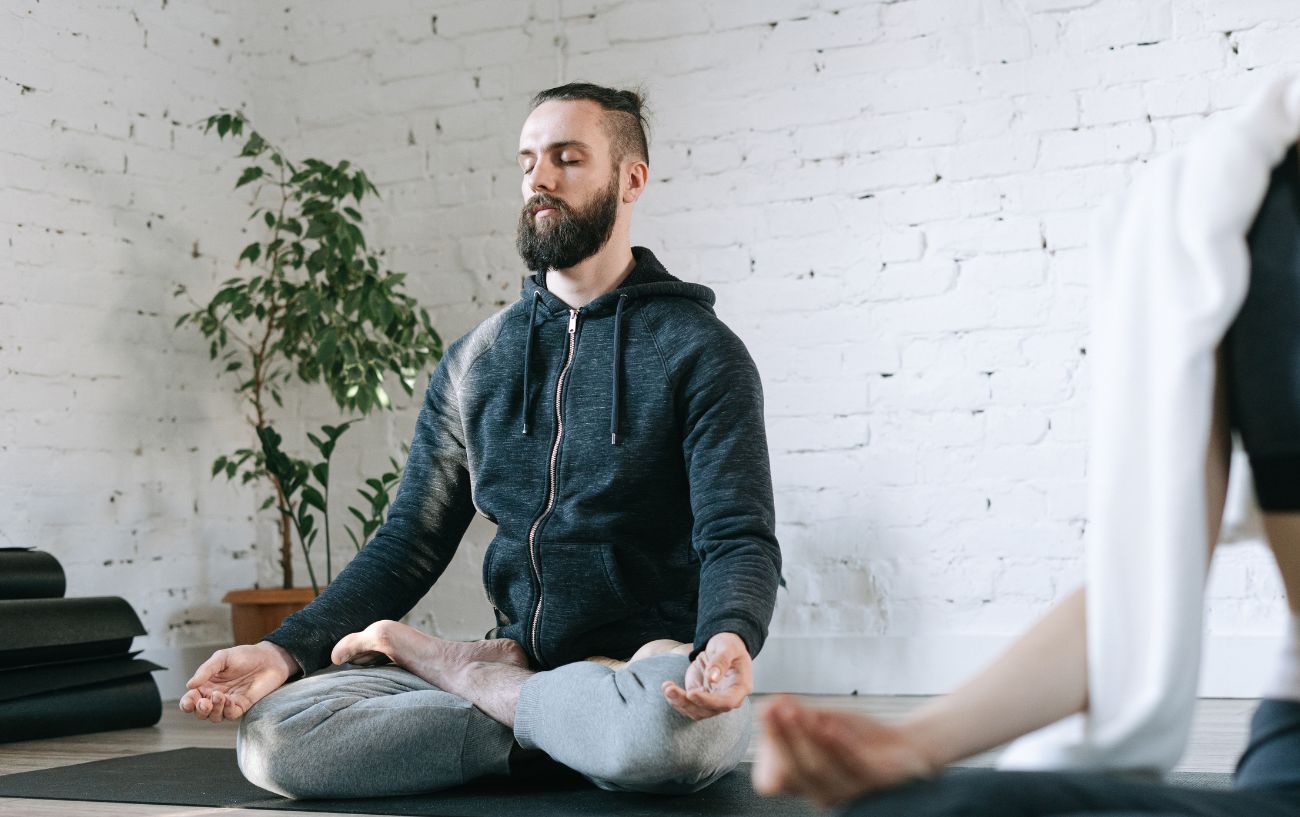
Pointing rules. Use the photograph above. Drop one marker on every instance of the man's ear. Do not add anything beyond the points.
(635, 175)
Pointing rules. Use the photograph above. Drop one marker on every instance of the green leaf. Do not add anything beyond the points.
(254, 145)
(313, 497)
(219, 464)
(321, 471)
(252, 252)
(250, 174)
(269, 218)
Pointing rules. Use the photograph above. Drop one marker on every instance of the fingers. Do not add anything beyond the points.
(216, 663)
(770, 766)
(776, 772)
(698, 705)
(213, 705)
(681, 701)
(804, 762)
(718, 702)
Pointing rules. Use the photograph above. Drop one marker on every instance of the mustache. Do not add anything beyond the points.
(541, 200)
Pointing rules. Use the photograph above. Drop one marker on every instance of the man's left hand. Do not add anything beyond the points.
(717, 681)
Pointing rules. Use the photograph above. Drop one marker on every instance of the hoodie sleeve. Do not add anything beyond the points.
(411, 549)
(725, 449)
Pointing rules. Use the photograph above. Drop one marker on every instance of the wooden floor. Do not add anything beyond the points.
(1217, 738)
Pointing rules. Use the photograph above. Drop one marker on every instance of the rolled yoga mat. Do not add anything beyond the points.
(124, 703)
(30, 574)
(209, 777)
(43, 631)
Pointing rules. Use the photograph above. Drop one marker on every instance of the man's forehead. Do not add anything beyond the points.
(564, 121)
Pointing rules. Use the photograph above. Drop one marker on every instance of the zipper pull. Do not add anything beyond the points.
(573, 320)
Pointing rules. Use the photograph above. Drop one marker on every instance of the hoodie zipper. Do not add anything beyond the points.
(550, 484)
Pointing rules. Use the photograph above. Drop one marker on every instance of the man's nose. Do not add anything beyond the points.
(543, 178)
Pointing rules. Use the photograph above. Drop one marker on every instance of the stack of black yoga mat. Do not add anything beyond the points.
(66, 666)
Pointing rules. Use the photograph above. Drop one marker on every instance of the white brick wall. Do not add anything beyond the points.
(890, 199)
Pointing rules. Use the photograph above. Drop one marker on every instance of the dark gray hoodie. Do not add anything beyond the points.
(620, 450)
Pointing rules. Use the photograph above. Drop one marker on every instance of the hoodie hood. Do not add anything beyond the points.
(648, 279)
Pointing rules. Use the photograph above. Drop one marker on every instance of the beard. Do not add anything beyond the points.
(570, 235)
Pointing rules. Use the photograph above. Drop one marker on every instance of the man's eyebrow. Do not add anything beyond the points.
(570, 143)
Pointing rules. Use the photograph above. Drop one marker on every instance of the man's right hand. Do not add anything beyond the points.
(232, 680)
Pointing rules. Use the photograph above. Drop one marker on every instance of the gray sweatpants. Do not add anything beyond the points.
(382, 731)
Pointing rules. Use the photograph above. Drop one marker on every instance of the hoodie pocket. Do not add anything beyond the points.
(586, 606)
(507, 578)
(581, 582)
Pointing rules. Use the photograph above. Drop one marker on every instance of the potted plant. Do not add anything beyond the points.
(313, 305)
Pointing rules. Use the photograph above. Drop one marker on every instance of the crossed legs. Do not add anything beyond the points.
(458, 715)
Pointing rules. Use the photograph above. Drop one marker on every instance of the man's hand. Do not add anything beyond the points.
(717, 681)
(226, 685)
(832, 756)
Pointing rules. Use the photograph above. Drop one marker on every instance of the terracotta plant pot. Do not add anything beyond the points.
(256, 611)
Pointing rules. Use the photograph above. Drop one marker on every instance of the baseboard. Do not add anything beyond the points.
(1233, 667)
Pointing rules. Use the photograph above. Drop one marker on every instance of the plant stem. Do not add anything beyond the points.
(259, 382)
(306, 552)
(329, 565)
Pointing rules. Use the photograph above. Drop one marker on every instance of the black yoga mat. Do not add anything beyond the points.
(41, 631)
(27, 681)
(124, 703)
(209, 777)
(30, 574)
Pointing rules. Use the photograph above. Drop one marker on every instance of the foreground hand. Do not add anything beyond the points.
(717, 681)
(226, 685)
(832, 756)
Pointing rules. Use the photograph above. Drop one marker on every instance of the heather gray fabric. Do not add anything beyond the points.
(382, 731)
(618, 730)
(367, 733)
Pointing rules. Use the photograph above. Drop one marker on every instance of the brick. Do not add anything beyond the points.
(1118, 143)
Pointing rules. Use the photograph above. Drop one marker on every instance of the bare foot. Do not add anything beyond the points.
(656, 647)
(659, 647)
(431, 658)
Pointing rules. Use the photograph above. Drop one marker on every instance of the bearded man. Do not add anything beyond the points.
(611, 427)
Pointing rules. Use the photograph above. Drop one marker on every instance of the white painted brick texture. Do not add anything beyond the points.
(891, 200)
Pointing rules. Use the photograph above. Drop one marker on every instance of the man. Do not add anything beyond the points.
(612, 427)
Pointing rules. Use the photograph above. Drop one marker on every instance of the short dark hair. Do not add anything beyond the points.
(626, 119)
